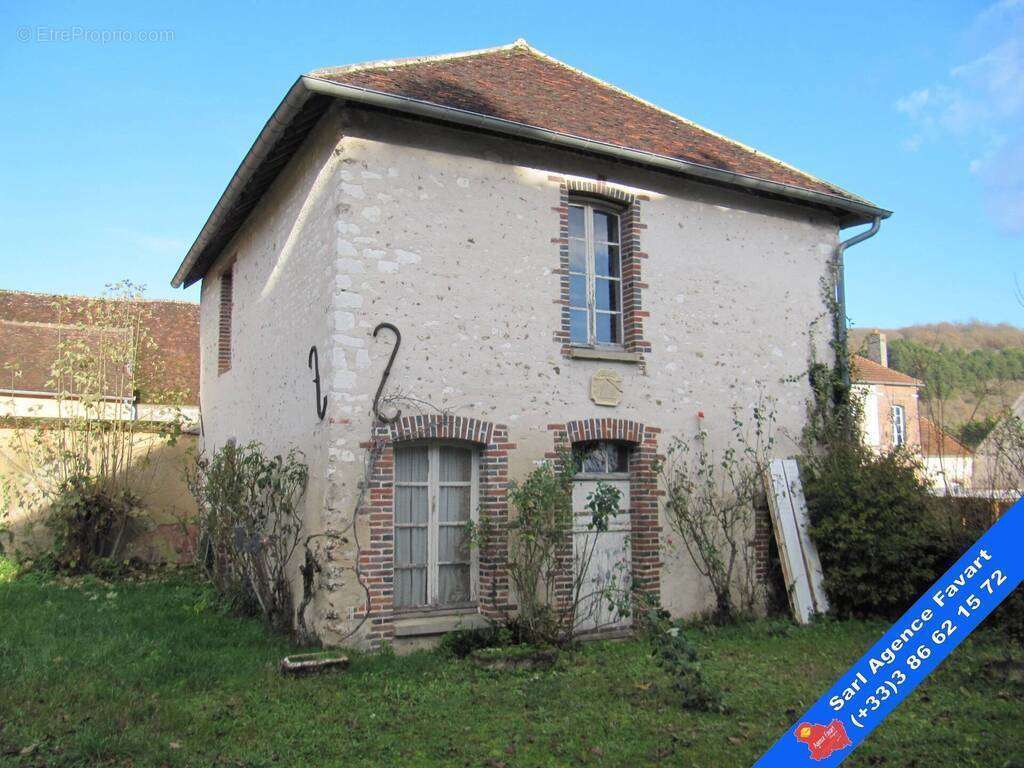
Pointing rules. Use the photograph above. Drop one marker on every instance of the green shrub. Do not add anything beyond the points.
(460, 643)
(962, 521)
(879, 541)
(88, 521)
(8, 569)
(1009, 616)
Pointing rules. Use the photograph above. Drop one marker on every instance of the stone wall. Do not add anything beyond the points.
(163, 533)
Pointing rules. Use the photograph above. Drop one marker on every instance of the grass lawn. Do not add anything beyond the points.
(151, 674)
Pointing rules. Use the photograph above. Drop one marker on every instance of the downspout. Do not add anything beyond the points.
(842, 359)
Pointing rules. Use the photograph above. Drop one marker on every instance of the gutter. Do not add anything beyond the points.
(861, 210)
(840, 267)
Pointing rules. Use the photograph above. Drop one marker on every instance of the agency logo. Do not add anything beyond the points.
(822, 740)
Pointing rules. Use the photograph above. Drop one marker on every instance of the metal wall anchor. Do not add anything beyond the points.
(314, 365)
(387, 372)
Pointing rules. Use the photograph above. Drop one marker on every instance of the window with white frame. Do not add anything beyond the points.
(899, 425)
(435, 497)
(595, 275)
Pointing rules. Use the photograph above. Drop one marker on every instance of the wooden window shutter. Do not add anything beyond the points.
(224, 332)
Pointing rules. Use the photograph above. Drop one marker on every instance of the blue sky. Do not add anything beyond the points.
(112, 153)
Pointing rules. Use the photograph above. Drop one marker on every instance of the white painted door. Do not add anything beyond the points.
(601, 558)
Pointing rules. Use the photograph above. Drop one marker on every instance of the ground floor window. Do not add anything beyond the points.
(435, 497)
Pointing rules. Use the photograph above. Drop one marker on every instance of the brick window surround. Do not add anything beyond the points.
(377, 560)
(224, 321)
(645, 525)
(631, 256)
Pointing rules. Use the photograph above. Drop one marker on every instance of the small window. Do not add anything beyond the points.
(435, 497)
(899, 426)
(224, 328)
(601, 458)
(595, 276)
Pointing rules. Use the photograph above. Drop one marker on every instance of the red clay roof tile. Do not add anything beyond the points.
(869, 372)
(521, 84)
(32, 323)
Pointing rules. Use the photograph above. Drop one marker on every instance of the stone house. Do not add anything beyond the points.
(32, 328)
(568, 265)
(892, 417)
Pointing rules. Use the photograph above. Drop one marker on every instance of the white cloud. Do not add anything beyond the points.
(915, 103)
(997, 9)
(981, 106)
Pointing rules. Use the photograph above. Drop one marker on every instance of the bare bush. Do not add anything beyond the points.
(250, 524)
(710, 501)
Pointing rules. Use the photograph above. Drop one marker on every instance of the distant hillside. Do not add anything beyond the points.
(972, 371)
(965, 336)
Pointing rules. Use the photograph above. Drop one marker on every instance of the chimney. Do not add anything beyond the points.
(877, 348)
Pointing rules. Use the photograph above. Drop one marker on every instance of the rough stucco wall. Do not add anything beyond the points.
(282, 290)
(448, 236)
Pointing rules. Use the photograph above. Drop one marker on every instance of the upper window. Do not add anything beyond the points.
(899, 425)
(601, 457)
(595, 275)
(435, 498)
(224, 328)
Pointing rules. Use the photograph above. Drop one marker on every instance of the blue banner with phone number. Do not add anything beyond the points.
(908, 652)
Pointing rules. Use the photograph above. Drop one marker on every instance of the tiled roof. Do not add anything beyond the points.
(935, 442)
(869, 372)
(32, 324)
(523, 85)
(518, 92)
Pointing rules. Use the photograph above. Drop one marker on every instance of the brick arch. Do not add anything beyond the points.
(442, 427)
(645, 524)
(621, 430)
(599, 189)
(377, 560)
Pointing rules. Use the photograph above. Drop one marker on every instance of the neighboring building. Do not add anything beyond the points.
(889, 398)
(33, 327)
(892, 418)
(948, 463)
(568, 266)
(1000, 456)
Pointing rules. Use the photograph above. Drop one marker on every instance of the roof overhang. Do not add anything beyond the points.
(309, 97)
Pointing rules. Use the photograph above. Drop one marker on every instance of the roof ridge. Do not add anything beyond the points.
(13, 292)
(753, 150)
(413, 60)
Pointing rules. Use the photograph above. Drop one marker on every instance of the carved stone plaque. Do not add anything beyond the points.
(606, 387)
